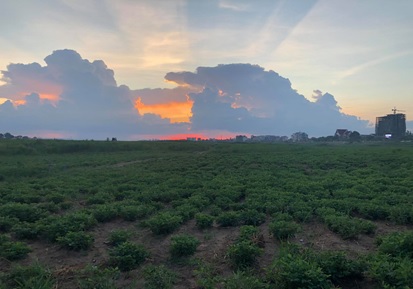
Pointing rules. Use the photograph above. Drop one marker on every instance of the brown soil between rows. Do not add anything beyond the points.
(212, 250)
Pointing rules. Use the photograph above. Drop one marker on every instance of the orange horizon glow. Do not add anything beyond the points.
(175, 111)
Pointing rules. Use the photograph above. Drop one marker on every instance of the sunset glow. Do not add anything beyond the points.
(175, 111)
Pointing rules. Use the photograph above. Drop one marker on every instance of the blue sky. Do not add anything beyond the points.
(360, 52)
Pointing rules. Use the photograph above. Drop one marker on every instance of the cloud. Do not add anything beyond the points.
(245, 97)
(76, 98)
(88, 104)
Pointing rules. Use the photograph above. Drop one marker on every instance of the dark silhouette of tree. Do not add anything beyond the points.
(355, 136)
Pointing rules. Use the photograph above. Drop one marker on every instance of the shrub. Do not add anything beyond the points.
(243, 280)
(248, 233)
(397, 244)
(55, 198)
(186, 211)
(283, 229)
(290, 271)
(58, 226)
(34, 276)
(128, 256)
(118, 237)
(133, 213)
(243, 254)
(253, 217)
(28, 231)
(204, 221)
(183, 245)
(347, 227)
(104, 213)
(76, 241)
(164, 223)
(12, 250)
(157, 277)
(228, 219)
(6, 223)
(391, 272)
(93, 277)
(22, 212)
(206, 275)
(340, 268)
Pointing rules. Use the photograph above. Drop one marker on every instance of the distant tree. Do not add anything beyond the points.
(355, 136)
(299, 137)
(8, 135)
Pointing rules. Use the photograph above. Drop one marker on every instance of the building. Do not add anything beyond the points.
(391, 125)
(342, 133)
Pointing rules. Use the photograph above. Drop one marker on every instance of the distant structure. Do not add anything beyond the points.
(392, 125)
(342, 133)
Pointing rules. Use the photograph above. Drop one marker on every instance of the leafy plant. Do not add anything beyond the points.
(244, 280)
(183, 245)
(243, 254)
(34, 276)
(93, 277)
(157, 277)
(204, 221)
(293, 271)
(164, 223)
(76, 241)
(13, 250)
(128, 256)
(228, 219)
(118, 237)
(283, 229)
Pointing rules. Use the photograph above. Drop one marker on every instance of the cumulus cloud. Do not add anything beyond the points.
(245, 97)
(73, 97)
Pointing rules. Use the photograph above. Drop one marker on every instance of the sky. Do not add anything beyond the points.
(135, 69)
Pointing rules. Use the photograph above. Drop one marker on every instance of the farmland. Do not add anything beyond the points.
(88, 214)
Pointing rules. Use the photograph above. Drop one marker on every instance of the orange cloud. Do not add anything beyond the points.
(175, 111)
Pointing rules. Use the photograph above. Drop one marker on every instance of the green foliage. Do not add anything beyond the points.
(76, 241)
(105, 213)
(247, 233)
(128, 256)
(338, 267)
(13, 250)
(391, 273)
(25, 230)
(6, 223)
(204, 221)
(158, 277)
(243, 254)
(186, 211)
(22, 212)
(228, 219)
(206, 275)
(346, 226)
(164, 223)
(293, 271)
(252, 217)
(283, 229)
(243, 280)
(119, 236)
(58, 226)
(183, 245)
(397, 244)
(34, 276)
(93, 277)
(133, 213)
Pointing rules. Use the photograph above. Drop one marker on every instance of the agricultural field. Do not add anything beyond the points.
(88, 214)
